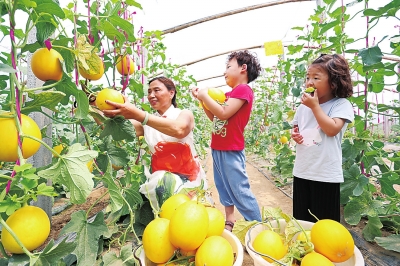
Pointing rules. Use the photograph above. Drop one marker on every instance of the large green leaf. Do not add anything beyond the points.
(87, 235)
(387, 181)
(353, 185)
(388, 10)
(165, 188)
(49, 7)
(67, 87)
(117, 200)
(53, 253)
(111, 32)
(377, 83)
(390, 242)
(133, 196)
(119, 128)
(71, 170)
(371, 55)
(118, 156)
(136, 87)
(44, 30)
(372, 229)
(47, 99)
(327, 26)
(124, 25)
(363, 205)
(349, 150)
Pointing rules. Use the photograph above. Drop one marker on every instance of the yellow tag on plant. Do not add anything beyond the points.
(273, 48)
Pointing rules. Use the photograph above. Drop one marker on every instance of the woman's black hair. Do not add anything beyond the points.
(170, 86)
(338, 72)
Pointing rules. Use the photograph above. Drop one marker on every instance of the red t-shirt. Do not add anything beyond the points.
(228, 135)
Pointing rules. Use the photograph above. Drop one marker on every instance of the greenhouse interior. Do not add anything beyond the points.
(200, 133)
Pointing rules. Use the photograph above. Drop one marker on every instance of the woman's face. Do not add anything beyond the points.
(160, 98)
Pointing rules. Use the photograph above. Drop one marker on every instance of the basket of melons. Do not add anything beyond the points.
(287, 241)
(189, 232)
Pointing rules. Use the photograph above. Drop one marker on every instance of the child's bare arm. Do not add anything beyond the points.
(330, 126)
(222, 112)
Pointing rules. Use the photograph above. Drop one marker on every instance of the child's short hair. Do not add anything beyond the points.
(339, 73)
(251, 60)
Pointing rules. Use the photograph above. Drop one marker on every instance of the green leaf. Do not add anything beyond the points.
(31, 47)
(7, 69)
(111, 32)
(371, 56)
(367, 68)
(87, 235)
(67, 87)
(44, 190)
(372, 229)
(383, 107)
(69, 59)
(294, 48)
(387, 181)
(165, 188)
(125, 257)
(44, 30)
(349, 151)
(118, 156)
(353, 184)
(387, 10)
(52, 253)
(117, 200)
(133, 3)
(50, 7)
(133, 197)
(136, 87)
(123, 25)
(83, 103)
(28, 3)
(18, 260)
(241, 228)
(361, 206)
(327, 26)
(119, 128)
(47, 99)
(71, 170)
(391, 242)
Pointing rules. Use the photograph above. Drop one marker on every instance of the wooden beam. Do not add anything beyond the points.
(229, 13)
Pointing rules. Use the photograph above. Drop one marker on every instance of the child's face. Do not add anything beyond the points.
(232, 73)
(318, 78)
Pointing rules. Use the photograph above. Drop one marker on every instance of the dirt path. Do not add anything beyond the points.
(267, 194)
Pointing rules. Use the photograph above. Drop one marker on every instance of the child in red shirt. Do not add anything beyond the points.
(227, 142)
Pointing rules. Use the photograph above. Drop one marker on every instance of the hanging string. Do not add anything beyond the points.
(379, 120)
(17, 96)
(75, 42)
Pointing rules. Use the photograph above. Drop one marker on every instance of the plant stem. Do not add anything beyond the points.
(43, 143)
(6, 177)
(63, 47)
(94, 203)
(25, 89)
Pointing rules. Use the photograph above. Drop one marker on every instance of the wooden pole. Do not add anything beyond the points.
(229, 13)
